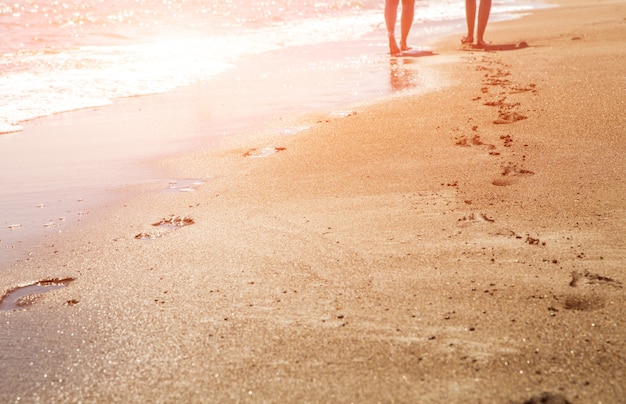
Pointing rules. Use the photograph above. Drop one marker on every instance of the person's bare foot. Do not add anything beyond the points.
(481, 43)
(467, 40)
(404, 47)
(393, 46)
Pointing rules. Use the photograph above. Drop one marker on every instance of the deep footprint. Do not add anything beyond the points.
(18, 298)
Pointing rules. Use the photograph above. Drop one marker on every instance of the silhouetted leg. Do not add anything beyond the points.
(391, 12)
(408, 10)
(470, 17)
(483, 18)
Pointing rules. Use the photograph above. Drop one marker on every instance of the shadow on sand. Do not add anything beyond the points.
(497, 47)
(413, 53)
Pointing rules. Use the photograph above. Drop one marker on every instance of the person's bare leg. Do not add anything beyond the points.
(483, 18)
(470, 17)
(391, 13)
(408, 10)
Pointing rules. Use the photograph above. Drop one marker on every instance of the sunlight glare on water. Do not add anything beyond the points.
(149, 49)
(59, 56)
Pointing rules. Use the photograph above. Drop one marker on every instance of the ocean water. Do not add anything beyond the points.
(62, 55)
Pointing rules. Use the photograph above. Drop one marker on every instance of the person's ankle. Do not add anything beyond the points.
(393, 46)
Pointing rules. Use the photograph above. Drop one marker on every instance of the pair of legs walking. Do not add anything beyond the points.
(483, 17)
(406, 20)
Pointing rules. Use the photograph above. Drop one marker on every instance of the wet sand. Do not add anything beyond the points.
(464, 245)
(63, 167)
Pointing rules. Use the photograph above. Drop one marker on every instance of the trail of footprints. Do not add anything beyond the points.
(497, 86)
(497, 89)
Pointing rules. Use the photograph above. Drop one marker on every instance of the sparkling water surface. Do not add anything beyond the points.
(59, 55)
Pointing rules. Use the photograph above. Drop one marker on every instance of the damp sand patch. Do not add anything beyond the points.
(22, 296)
(264, 152)
(185, 185)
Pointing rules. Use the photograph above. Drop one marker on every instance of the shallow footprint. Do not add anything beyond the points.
(18, 298)
(588, 278)
(504, 181)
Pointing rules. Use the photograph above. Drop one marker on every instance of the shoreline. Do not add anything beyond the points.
(52, 200)
(135, 132)
(460, 245)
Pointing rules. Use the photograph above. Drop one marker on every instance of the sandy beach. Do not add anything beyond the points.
(465, 245)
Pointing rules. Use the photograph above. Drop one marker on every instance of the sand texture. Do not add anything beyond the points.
(465, 245)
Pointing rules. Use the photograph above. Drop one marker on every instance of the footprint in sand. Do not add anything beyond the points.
(510, 175)
(264, 152)
(474, 141)
(146, 235)
(480, 217)
(517, 89)
(587, 278)
(503, 182)
(507, 140)
(172, 222)
(505, 117)
(497, 77)
(20, 297)
(585, 301)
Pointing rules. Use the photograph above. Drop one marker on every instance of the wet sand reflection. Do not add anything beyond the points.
(403, 73)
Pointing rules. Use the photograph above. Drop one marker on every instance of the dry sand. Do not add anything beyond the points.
(466, 245)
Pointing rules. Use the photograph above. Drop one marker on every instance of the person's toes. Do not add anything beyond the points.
(467, 39)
